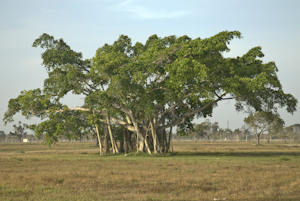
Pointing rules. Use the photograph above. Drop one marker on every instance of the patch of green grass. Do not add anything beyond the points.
(152, 199)
(60, 181)
(284, 159)
(18, 159)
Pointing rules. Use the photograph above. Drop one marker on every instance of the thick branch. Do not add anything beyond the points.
(92, 87)
(175, 105)
(188, 114)
(103, 112)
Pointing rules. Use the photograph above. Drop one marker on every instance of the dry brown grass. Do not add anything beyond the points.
(195, 171)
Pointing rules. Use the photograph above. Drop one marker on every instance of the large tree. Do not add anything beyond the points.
(148, 88)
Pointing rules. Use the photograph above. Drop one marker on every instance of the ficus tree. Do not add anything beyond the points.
(148, 88)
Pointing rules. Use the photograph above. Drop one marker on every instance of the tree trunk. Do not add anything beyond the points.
(99, 140)
(156, 145)
(162, 144)
(125, 141)
(147, 146)
(106, 140)
(170, 138)
(163, 139)
(140, 142)
(131, 143)
(133, 140)
(140, 139)
(98, 136)
(112, 139)
(121, 146)
(113, 142)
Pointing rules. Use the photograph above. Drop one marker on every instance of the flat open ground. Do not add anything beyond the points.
(194, 171)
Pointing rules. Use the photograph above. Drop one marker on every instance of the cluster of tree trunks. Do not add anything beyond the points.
(151, 143)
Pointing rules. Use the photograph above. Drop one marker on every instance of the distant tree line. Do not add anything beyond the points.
(256, 127)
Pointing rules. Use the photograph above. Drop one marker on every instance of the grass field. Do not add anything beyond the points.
(194, 171)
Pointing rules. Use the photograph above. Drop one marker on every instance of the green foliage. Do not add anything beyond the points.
(205, 129)
(261, 119)
(284, 159)
(71, 124)
(172, 80)
(60, 181)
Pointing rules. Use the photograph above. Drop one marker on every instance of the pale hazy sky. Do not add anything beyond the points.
(87, 24)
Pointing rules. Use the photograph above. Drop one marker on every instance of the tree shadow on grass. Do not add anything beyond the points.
(212, 154)
(236, 154)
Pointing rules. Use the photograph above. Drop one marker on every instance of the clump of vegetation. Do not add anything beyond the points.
(146, 88)
(18, 159)
(284, 159)
(60, 181)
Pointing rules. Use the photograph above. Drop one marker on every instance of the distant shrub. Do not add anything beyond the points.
(284, 159)
(60, 181)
